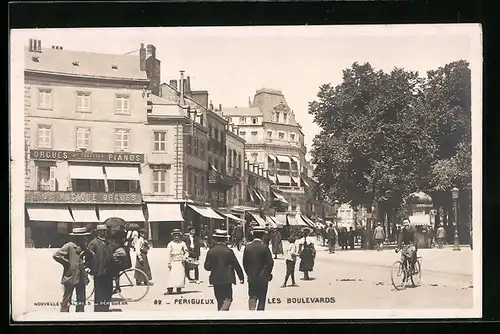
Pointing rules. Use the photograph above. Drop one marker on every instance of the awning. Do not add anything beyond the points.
(213, 168)
(284, 179)
(272, 157)
(258, 219)
(296, 221)
(280, 219)
(308, 221)
(233, 217)
(128, 213)
(295, 159)
(279, 197)
(261, 196)
(296, 180)
(84, 214)
(243, 208)
(50, 214)
(249, 192)
(283, 158)
(256, 192)
(271, 222)
(86, 172)
(122, 173)
(164, 212)
(304, 182)
(205, 211)
(420, 220)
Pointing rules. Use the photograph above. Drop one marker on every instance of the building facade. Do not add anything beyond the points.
(84, 129)
(235, 165)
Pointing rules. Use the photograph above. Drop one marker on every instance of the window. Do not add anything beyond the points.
(160, 181)
(122, 104)
(242, 133)
(229, 120)
(210, 130)
(293, 202)
(46, 178)
(196, 150)
(122, 140)
(123, 186)
(44, 98)
(285, 118)
(160, 141)
(254, 120)
(189, 145)
(83, 138)
(202, 149)
(202, 186)
(88, 185)
(278, 117)
(189, 183)
(230, 158)
(254, 133)
(254, 157)
(83, 102)
(313, 208)
(281, 135)
(292, 136)
(243, 120)
(44, 136)
(196, 187)
(216, 135)
(269, 134)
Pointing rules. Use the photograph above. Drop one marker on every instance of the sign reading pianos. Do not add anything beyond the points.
(86, 156)
(81, 197)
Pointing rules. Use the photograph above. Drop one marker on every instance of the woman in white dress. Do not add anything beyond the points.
(177, 253)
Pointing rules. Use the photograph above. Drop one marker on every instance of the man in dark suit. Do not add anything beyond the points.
(238, 235)
(258, 264)
(222, 263)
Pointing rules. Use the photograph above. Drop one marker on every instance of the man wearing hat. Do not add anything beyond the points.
(73, 256)
(440, 235)
(177, 253)
(238, 236)
(142, 261)
(407, 243)
(102, 269)
(258, 264)
(194, 247)
(379, 236)
(222, 263)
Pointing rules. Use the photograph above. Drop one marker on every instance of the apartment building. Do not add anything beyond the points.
(235, 155)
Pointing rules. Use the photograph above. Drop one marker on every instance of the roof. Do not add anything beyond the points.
(267, 99)
(92, 65)
(155, 99)
(244, 111)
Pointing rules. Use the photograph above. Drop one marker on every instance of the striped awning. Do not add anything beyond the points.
(283, 158)
(284, 179)
(258, 219)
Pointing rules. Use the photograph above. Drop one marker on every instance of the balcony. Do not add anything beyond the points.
(216, 146)
(295, 190)
(234, 172)
(222, 180)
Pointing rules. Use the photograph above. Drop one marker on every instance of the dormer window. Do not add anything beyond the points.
(76, 63)
(254, 120)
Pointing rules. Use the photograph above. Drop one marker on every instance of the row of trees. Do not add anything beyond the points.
(386, 135)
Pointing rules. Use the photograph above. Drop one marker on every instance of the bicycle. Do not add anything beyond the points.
(128, 277)
(401, 269)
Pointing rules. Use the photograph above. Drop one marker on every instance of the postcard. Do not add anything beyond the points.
(293, 172)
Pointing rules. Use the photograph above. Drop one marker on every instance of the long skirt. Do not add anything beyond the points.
(306, 261)
(144, 266)
(277, 247)
(176, 276)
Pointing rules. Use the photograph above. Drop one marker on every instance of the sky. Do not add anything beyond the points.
(231, 63)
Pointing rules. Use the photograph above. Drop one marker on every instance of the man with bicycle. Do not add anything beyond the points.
(407, 244)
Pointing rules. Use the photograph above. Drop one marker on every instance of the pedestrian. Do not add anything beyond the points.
(194, 247)
(177, 253)
(238, 236)
(290, 259)
(267, 236)
(142, 261)
(379, 236)
(101, 269)
(131, 243)
(258, 264)
(276, 243)
(343, 238)
(364, 237)
(307, 253)
(73, 256)
(351, 235)
(222, 264)
(330, 234)
(440, 235)
(431, 236)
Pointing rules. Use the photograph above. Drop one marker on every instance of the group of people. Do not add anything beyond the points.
(103, 258)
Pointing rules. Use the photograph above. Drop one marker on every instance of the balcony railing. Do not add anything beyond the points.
(224, 180)
(290, 189)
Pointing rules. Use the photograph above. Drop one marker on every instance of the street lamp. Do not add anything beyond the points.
(454, 195)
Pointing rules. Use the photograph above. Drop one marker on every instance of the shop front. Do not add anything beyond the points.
(205, 219)
(163, 218)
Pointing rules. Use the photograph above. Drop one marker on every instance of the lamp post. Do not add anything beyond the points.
(454, 195)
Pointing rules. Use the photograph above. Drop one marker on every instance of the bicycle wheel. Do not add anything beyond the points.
(398, 275)
(89, 291)
(416, 276)
(128, 290)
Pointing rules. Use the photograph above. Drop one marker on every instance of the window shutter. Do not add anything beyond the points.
(52, 171)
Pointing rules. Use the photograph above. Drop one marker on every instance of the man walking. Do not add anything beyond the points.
(222, 263)
(258, 264)
(440, 235)
(351, 236)
(193, 244)
(291, 259)
(330, 233)
(103, 276)
(379, 236)
(238, 236)
(72, 256)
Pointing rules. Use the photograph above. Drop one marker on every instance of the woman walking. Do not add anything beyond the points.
(276, 243)
(307, 254)
(177, 252)
(142, 262)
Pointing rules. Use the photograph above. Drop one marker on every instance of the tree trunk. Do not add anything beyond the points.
(369, 226)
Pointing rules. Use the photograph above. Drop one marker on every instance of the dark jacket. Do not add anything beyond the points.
(222, 263)
(103, 256)
(194, 248)
(238, 232)
(73, 266)
(258, 262)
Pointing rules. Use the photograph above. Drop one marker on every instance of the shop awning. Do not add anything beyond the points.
(122, 173)
(249, 192)
(279, 198)
(261, 196)
(212, 167)
(233, 217)
(164, 212)
(256, 193)
(419, 220)
(296, 180)
(296, 221)
(84, 214)
(283, 158)
(50, 214)
(272, 157)
(271, 222)
(127, 213)
(258, 219)
(280, 219)
(304, 182)
(243, 208)
(308, 221)
(205, 211)
(295, 159)
(284, 179)
(86, 172)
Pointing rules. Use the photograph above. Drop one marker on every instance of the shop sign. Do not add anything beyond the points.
(86, 156)
(81, 197)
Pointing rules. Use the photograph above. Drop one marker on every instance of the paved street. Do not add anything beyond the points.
(355, 279)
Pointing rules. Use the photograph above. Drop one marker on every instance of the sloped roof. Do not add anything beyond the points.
(155, 99)
(244, 111)
(267, 99)
(92, 65)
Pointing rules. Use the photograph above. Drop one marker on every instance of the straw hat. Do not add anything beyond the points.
(221, 234)
(308, 229)
(101, 227)
(176, 231)
(79, 231)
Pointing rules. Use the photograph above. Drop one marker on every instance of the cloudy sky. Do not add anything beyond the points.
(233, 62)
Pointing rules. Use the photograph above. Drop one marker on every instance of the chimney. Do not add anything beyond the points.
(182, 88)
(199, 96)
(211, 106)
(142, 57)
(35, 45)
(220, 107)
(173, 83)
(151, 51)
(249, 102)
(30, 45)
(188, 84)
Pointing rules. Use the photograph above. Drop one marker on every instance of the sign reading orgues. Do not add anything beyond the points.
(81, 197)
(86, 156)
